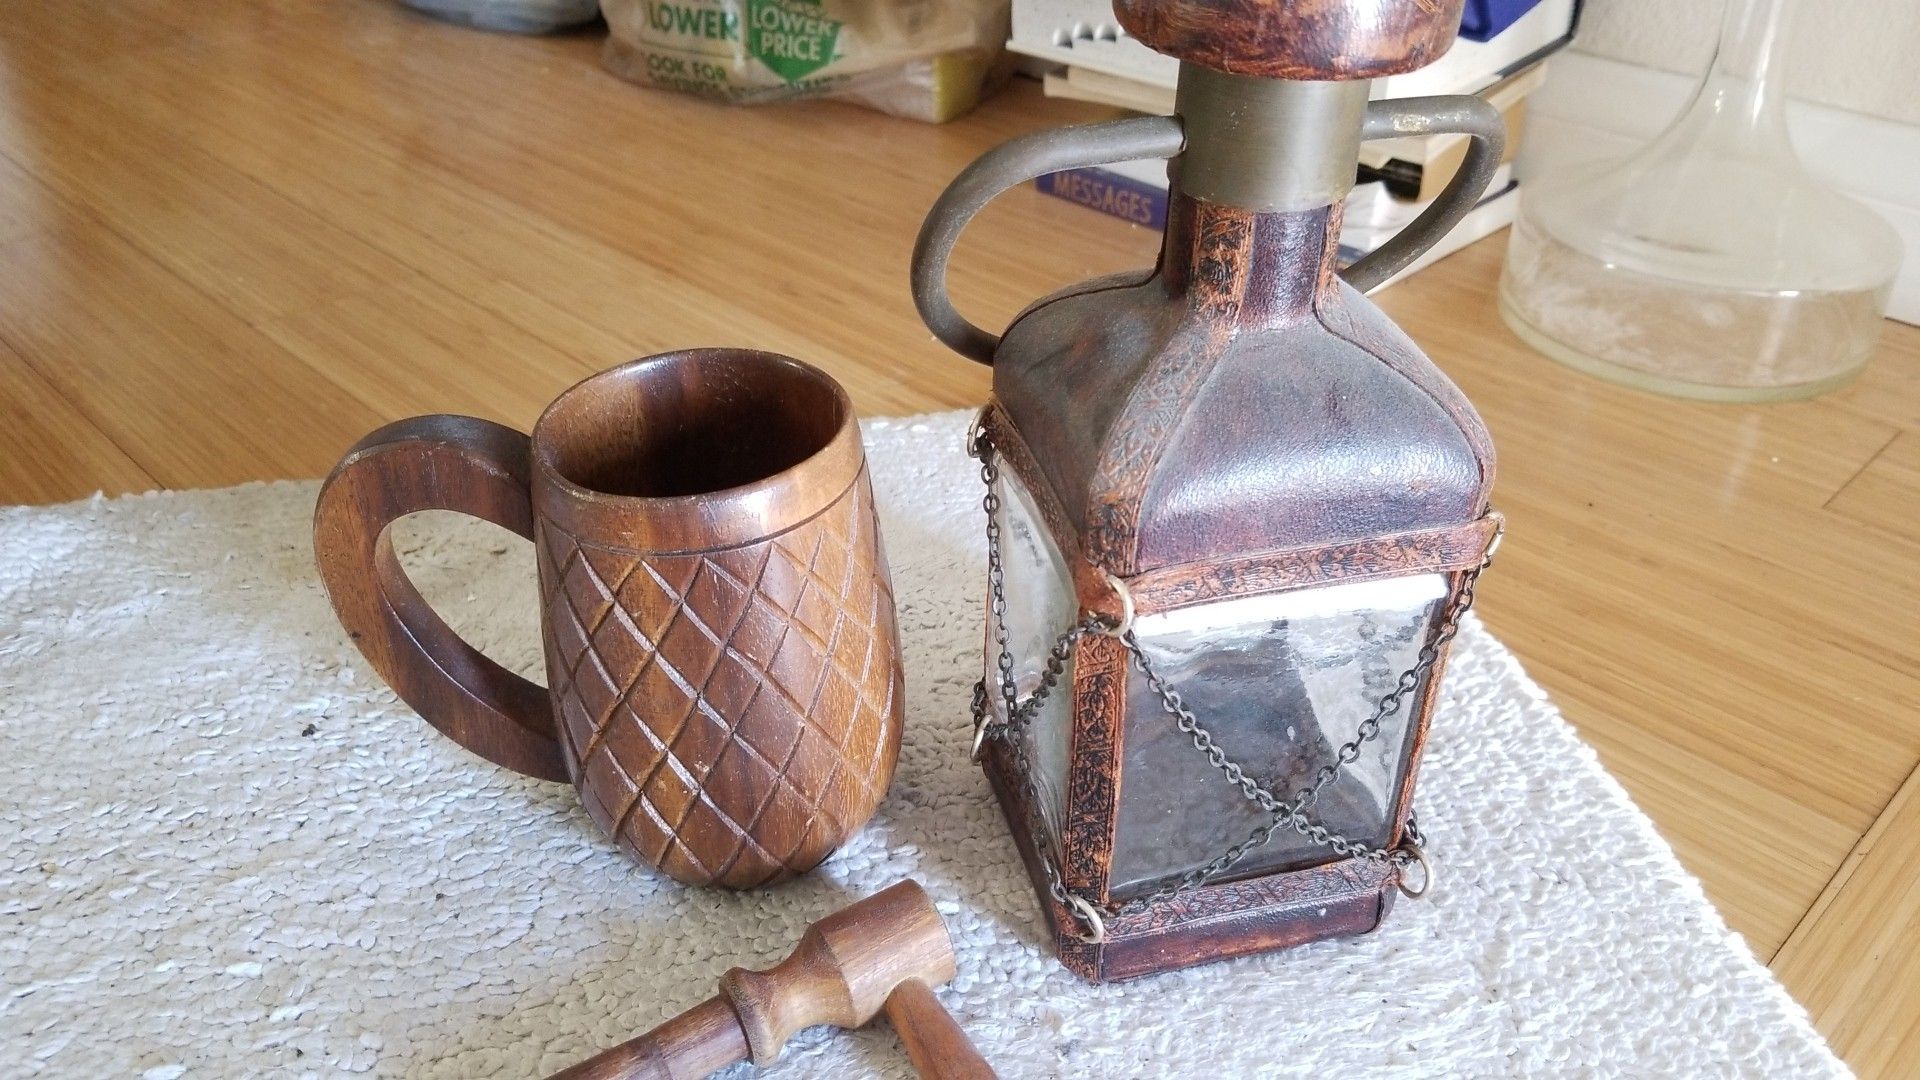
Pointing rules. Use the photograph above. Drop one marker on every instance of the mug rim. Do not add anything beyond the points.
(708, 520)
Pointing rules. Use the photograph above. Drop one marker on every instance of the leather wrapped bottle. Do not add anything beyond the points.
(1240, 469)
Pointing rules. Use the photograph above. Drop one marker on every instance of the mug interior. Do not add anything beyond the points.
(690, 423)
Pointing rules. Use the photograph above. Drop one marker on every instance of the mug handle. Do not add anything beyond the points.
(455, 463)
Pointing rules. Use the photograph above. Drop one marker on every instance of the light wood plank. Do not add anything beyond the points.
(236, 240)
(1886, 492)
(823, 248)
(572, 292)
(26, 207)
(395, 339)
(1855, 960)
(400, 350)
(95, 34)
(193, 395)
(1889, 390)
(48, 451)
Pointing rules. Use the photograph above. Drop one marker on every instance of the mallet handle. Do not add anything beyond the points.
(698, 1042)
(935, 1043)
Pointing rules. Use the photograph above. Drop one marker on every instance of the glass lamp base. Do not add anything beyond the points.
(1709, 264)
(1661, 309)
(1639, 379)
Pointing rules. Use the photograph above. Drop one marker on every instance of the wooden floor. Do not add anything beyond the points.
(236, 234)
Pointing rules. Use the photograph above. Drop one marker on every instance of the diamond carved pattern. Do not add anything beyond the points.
(730, 716)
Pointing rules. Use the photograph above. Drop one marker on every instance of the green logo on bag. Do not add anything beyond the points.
(791, 36)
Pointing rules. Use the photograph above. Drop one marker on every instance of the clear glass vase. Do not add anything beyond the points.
(1710, 264)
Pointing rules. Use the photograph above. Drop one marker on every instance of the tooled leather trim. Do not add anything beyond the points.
(1454, 547)
(1222, 262)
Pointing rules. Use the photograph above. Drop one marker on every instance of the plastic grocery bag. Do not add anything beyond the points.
(518, 16)
(925, 59)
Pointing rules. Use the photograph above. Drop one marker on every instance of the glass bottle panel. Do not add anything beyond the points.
(1281, 681)
(1041, 604)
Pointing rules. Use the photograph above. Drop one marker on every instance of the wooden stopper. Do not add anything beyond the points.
(1296, 39)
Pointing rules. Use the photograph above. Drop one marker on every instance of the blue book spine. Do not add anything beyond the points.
(1109, 193)
(1484, 19)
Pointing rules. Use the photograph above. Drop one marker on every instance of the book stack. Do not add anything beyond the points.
(1500, 55)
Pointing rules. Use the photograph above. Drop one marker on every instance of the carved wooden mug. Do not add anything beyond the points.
(723, 666)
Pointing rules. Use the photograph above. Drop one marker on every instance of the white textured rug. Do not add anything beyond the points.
(230, 851)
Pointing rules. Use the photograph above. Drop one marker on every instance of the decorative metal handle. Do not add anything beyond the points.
(1452, 114)
(1016, 162)
(1028, 157)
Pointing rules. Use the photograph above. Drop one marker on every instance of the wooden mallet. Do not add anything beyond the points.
(884, 953)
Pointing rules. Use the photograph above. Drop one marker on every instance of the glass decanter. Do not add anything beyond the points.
(1710, 264)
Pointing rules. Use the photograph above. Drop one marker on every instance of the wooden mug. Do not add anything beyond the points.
(723, 665)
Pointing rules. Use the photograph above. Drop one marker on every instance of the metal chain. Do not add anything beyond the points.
(1018, 714)
(997, 600)
(1293, 814)
(1281, 815)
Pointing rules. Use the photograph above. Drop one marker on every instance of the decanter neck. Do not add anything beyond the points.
(1253, 221)
(1739, 112)
(1747, 76)
(1267, 145)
